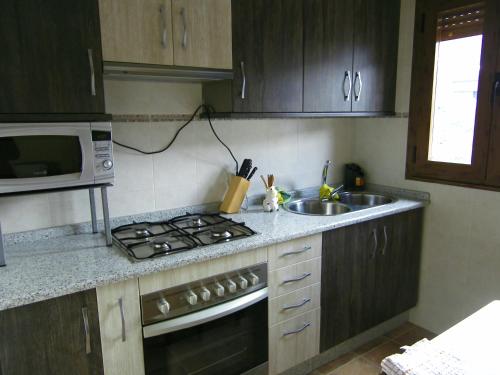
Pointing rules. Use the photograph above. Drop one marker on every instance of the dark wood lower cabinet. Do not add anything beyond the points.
(49, 337)
(370, 273)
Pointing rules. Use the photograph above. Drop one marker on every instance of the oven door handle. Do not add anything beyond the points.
(204, 316)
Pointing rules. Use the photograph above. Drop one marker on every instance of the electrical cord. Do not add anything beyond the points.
(207, 109)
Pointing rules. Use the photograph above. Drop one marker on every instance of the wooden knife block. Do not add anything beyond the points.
(233, 199)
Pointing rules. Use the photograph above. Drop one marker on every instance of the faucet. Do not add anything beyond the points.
(330, 194)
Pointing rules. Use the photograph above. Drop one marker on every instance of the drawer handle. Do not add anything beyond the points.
(85, 316)
(297, 305)
(306, 248)
(297, 330)
(122, 316)
(297, 278)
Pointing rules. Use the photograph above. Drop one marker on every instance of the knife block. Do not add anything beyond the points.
(233, 199)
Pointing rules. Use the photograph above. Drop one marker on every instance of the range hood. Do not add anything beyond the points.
(163, 73)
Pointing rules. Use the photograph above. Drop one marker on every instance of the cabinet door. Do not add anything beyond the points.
(202, 33)
(347, 283)
(267, 55)
(376, 28)
(328, 43)
(137, 31)
(51, 57)
(54, 337)
(493, 172)
(121, 328)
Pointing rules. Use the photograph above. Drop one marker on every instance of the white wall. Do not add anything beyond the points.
(461, 253)
(196, 169)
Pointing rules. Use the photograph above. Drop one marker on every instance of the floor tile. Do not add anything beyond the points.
(336, 363)
(370, 345)
(358, 366)
(412, 336)
(401, 329)
(378, 353)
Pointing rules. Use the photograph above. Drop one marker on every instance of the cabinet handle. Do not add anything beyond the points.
(306, 248)
(122, 316)
(163, 14)
(386, 239)
(375, 243)
(357, 93)
(347, 77)
(244, 80)
(184, 25)
(85, 315)
(297, 305)
(92, 72)
(297, 278)
(297, 330)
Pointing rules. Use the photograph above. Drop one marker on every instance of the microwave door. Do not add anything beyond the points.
(43, 157)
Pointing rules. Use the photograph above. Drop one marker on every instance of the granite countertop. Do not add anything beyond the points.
(54, 262)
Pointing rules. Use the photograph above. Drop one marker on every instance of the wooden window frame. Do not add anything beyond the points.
(418, 167)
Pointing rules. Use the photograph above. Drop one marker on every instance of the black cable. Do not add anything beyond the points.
(208, 109)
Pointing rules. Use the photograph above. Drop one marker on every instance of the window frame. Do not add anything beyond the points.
(418, 167)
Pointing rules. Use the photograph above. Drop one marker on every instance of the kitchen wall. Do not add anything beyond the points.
(461, 254)
(196, 169)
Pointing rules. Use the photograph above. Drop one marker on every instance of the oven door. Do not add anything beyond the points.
(228, 339)
(45, 156)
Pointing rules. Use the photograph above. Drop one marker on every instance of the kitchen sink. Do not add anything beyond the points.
(314, 206)
(348, 202)
(364, 199)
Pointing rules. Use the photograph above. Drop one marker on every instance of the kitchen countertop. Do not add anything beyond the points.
(53, 262)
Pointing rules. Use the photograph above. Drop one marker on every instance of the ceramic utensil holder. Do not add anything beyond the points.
(233, 199)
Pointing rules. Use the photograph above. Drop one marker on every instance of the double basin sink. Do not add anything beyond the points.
(348, 202)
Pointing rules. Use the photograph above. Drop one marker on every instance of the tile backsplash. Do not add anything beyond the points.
(196, 168)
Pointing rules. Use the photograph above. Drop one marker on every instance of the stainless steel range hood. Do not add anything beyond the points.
(115, 70)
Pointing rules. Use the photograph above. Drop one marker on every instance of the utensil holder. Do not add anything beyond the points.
(233, 199)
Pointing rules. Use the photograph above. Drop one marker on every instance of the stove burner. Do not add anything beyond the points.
(142, 233)
(220, 233)
(197, 222)
(161, 245)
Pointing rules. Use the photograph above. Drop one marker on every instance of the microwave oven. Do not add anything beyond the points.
(55, 156)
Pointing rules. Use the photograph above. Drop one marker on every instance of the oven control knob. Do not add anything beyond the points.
(163, 306)
(219, 290)
(205, 294)
(107, 164)
(191, 298)
(253, 278)
(242, 282)
(231, 286)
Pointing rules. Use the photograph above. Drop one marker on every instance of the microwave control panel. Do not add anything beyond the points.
(103, 151)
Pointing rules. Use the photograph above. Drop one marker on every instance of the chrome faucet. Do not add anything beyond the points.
(324, 177)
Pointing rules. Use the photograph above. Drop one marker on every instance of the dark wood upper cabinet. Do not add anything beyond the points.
(370, 273)
(328, 43)
(376, 35)
(51, 57)
(55, 337)
(267, 55)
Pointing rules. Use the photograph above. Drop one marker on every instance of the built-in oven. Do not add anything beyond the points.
(51, 156)
(213, 326)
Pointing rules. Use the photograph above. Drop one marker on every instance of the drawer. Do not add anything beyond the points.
(287, 279)
(294, 341)
(295, 303)
(295, 251)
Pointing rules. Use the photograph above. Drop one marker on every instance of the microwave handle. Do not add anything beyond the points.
(204, 316)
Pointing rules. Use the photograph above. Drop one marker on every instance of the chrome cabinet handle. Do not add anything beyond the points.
(386, 239)
(163, 14)
(297, 330)
(85, 315)
(92, 72)
(184, 24)
(375, 243)
(297, 278)
(347, 77)
(306, 248)
(357, 93)
(297, 305)
(244, 81)
(122, 315)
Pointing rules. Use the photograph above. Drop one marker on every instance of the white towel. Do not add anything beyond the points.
(423, 358)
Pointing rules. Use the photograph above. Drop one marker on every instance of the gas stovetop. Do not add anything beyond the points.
(152, 239)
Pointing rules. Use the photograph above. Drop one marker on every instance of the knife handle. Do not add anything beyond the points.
(252, 173)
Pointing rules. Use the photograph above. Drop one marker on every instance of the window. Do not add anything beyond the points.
(454, 110)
